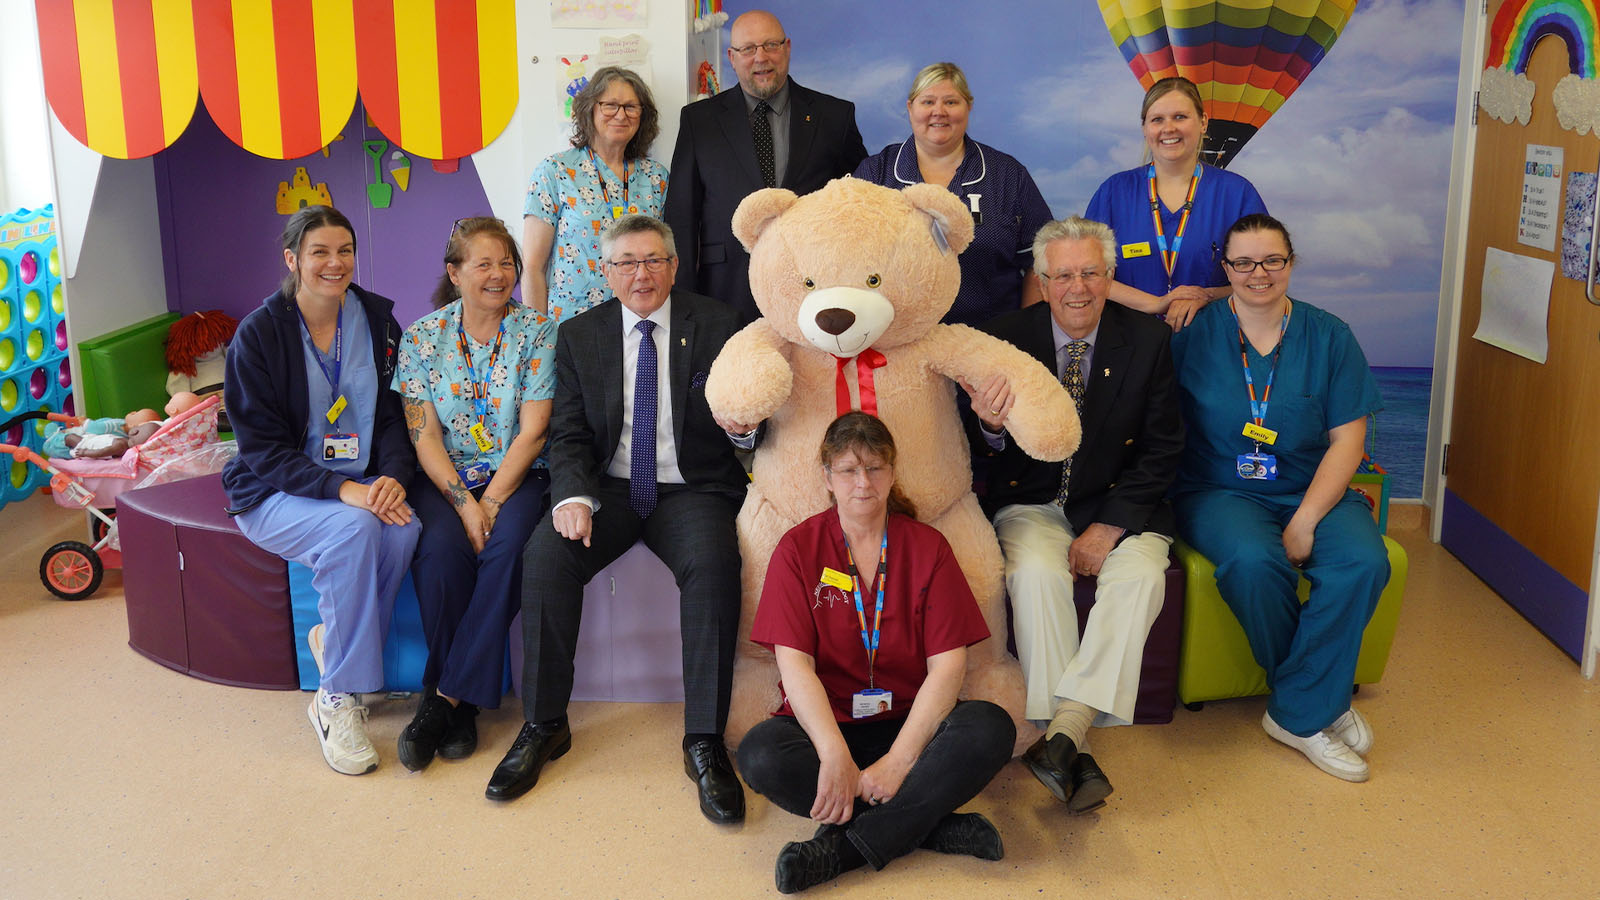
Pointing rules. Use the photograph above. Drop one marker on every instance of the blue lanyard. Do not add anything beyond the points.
(338, 345)
(1259, 410)
(870, 641)
(480, 389)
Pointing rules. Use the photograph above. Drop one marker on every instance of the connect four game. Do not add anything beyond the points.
(35, 368)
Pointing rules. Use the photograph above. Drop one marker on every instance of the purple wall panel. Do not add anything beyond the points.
(220, 225)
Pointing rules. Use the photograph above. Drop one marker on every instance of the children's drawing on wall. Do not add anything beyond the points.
(1577, 226)
(299, 192)
(597, 13)
(1507, 92)
(1516, 304)
(575, 77)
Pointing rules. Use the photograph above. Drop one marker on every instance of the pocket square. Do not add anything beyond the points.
(698, 381)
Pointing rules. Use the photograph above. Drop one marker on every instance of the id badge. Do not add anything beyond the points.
(618, 211)
(1258, 433)
(340, 446)
(475, 476)
(871, 702)
(1258, 466)
(480, 436)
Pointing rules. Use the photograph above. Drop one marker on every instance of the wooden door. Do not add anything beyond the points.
(1523, 481)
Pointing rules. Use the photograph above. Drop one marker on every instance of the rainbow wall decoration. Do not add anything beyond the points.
(35, 372)
(1506, 92)
(1246, 56)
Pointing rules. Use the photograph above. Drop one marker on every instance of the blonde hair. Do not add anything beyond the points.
(936, 72)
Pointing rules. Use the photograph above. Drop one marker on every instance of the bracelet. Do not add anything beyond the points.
(495, 500)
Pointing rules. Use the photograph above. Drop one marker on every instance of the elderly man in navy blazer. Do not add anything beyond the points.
(635, 454)
(1102, 513)
(767, 132)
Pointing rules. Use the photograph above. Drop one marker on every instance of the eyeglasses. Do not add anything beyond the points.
(850, 473)
(749, 50)
(1246, 266)
(630, 266)
(631, 110)
(1091, 277)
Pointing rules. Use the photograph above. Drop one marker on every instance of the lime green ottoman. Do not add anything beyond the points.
(1214, 659)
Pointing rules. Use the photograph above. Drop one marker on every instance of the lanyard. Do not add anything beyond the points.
(338, 345)
(1259, 410)
(605, 192)
(1169, 258)
(480, 389)
(870, 642)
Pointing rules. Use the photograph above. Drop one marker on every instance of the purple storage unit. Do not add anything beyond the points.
(201, 598)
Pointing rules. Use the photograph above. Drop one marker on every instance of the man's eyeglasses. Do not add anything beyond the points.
(630, 266)
(749, 50)
(1064, 279)
(631, 110)
(1246, 266)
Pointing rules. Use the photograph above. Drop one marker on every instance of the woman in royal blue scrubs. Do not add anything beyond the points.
(1170, 214)
(1275, 395)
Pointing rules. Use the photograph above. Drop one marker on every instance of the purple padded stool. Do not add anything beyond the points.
(201, 598)
(630, 644)
(1158, 674)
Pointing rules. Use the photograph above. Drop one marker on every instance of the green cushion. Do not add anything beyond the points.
(1215, 662)
(126, 369)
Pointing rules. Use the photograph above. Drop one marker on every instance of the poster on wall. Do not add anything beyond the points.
(1541, 197)
(598, 13)
(1516, 303)
(630, 51)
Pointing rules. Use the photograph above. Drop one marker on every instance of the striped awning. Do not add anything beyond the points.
(280, 77)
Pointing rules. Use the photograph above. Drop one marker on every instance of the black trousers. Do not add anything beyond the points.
(693, 533)
(778, 760)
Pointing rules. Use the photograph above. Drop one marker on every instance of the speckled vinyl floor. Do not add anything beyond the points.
(123, 779)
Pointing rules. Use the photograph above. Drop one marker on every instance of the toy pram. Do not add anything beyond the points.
(72, 570)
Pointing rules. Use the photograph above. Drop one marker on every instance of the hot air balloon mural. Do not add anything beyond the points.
(1246, 56)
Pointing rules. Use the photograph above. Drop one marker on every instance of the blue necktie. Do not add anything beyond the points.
(642, 451)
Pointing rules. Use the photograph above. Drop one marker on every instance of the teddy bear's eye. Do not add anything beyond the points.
(810, 285)
(873, 281)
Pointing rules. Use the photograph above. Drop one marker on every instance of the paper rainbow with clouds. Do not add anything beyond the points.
(1518, 26)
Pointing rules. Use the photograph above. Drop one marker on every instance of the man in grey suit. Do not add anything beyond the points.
(635, 454)
(767, 132)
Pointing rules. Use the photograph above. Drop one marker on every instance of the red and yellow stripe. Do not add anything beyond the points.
(458, 87)
(120, 74)
(278, 76)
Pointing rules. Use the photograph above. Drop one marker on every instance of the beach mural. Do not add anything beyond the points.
(1357, 163)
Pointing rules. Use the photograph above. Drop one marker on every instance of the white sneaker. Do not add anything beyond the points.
(1326, 751)
(314, 639)
(340, 723)
(1353, 729)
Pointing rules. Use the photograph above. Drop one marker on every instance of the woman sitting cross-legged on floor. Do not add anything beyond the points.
(870, 741)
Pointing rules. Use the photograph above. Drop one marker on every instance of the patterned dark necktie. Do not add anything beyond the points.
(642, 450)
(1072, 379)
(761, 130)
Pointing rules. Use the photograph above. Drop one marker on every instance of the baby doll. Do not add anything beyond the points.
(110, 438)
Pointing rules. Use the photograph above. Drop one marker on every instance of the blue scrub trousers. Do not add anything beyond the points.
(356, 563)
(468, 600)
(1309, 652)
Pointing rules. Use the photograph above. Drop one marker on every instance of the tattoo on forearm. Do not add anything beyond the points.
(414, 418)
(459, 495)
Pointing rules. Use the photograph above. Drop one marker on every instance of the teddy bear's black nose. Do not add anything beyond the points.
(835, 320)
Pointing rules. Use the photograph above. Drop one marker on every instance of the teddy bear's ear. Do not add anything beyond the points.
(757, 211)
(946, 214)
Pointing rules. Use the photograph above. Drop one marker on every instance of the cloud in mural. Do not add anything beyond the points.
(1506, 95)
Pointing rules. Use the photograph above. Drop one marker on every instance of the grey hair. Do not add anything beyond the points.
(635, 224)
(583, 107)
(1075, 228)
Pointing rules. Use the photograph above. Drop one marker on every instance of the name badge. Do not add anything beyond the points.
(340, 446)
(973, 201)
(1130, 251)
(476, 475)
(837, 578)
(1258, 467)
(1257, 433)
(870, 702)
(480, 436)
(339, 403)
(618, 211)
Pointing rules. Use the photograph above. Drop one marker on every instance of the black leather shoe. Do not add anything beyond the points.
(1051, 762)
(1090, 787)
(721, 795)
(421, 738)
(462, 737)
(965, 834)
(803, 864)
(519, 771)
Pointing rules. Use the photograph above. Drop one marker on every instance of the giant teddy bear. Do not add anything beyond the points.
(851, 281)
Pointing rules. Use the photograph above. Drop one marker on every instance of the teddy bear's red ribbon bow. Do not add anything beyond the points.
(866, 361)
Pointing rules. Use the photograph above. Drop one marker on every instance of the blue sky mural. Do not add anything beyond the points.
(1356, 163)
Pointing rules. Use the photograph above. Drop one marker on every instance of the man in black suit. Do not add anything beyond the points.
(767, 132)
(1102, 513)
(634, 453)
